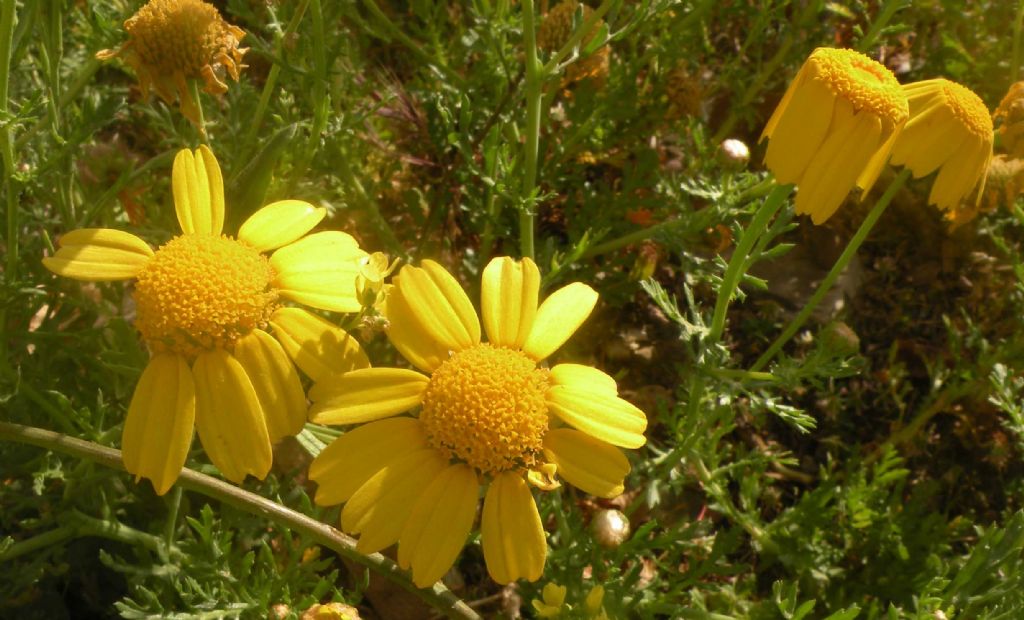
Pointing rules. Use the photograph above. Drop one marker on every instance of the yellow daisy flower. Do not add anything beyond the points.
(487, 415)
(950, 130)
(203, 301)
(172, 41)
(834, 128)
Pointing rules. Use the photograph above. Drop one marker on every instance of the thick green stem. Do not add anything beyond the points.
(734, 272)
(844, 259)
(534, 94)
(438, 596)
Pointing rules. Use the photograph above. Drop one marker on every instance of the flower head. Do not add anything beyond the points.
(172, 41)
(555, 30)
(488, 415)
(834, 128)
(949, 130)
(204, 300)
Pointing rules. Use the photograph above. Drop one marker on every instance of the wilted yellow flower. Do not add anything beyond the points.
(685, 93)
(949, 130)
(173, 41)
(1010, 115)
(556, 28)
(1005, 182)
(203, 300)
(834, 128)
(487, 415)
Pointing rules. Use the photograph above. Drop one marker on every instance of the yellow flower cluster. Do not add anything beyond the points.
(845, 115)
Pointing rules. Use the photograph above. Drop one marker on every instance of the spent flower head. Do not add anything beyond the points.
(487, 414)
(555, 30)
(204, 300)
(834, 128)
(173, 41)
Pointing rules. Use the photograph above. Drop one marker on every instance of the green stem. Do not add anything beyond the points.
(172, 517)
(6, 143)
(270, 86)
(889, 9)
(1018, 25)
(734, 272)
(193, 86)
(741, 375)
(837, 268)
(633, 237)
(534, 94)
(39, 542)
(438, 596)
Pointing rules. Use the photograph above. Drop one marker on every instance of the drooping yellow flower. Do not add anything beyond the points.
(487, 415)
(949, 130)
(834, 128)
(203, 301)
(173, 41)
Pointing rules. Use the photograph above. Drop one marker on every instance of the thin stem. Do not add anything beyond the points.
(734, 272)
(1018, 25)
(843, 260)
(172, 517)
(193, 86)
(633, 237)
(534, 94)
(438, 596)
(6, 150)
(270, 86)
(881, 21)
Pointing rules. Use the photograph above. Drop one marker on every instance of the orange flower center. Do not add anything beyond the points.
(486, 406)
(201, 292)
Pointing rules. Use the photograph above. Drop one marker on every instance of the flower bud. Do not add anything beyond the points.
(610, 528)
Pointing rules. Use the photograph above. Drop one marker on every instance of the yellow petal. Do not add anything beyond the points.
(366, 394)
(509, 300)
(320, 270)
(801, 129)
(439, 524)
(228, 416)
(99, 255)
(276, 382)
(780, 109)
(316, 345)
(584, 378)
(609, 419)
(853, 138)
(511, 531)
(439, 305)
(158, 431)
(558, 318)
(587, 463)
(960, 174)
(352, 459)
(380, 508)
(198, 191)
(280, 223)
(406, 334)
(868, 176)
(215, 181)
